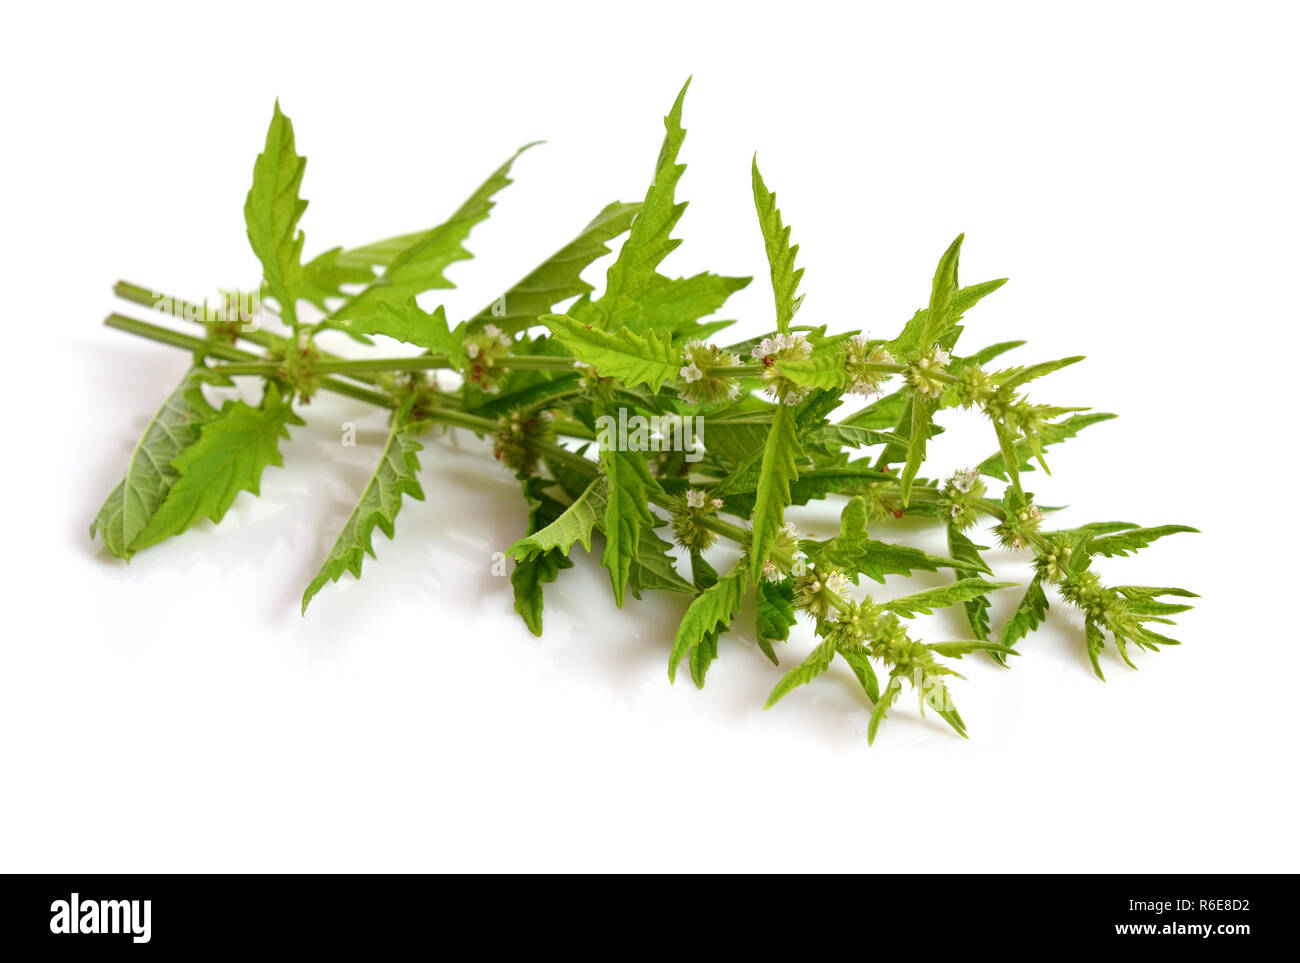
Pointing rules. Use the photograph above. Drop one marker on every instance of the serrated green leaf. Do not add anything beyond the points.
(780, 252)
(818, 661)
(1027, 617)
(1095, 641)
(394, 476)
(420, 265)
(977, 608)
(711, 610)
(831, 438)
(1015, 377)
(149, 475)
(324, 276)
(823, 371)
(942, 288)
(702, 657)
(860, 663)
(884, 412)
(653, 567)
(955, 650)
(636, 296)
(232, 450)
(530, 574)
(995, 465)
(410, 323)
(919, 431)
(272, 211)
(772, 493)
(774, 605)
(675, 306)
(574, 525)
(893, 688)
(634, 359)
(559, 277)
(855, 553)
(1127, 542)
(942, 596)
(629, 485)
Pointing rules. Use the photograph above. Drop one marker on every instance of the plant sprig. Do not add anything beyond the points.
(549, 367)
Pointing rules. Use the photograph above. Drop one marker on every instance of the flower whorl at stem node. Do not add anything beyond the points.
(855, 624)
(858, 356)
(1052, 562)
(687, 511)
(959, 496)
(820, 592)
(769, 353)
(974, 387)
(515, 431)
(694, 383)
(485, 349)
(923, 371)
(297, 359)
(1020, 525)
(786, 546)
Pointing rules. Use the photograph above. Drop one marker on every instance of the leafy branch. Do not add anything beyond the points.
(624, 423)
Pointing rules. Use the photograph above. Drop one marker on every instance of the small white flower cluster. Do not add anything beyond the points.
(787, 543)
(965, 479)
(698, 499)
(858, 354)
(483, 348)
(475, 348)
(782, 347)
(821, 593)
(919, 375)
(698, 388)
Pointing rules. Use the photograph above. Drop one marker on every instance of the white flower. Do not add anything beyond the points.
(695, 498)
(763, 349)
(472, 350)
(789, 529)
(941, 356)
(691, 373)
(836, 582)
(965, 480)
(491, 330)
(770, 572)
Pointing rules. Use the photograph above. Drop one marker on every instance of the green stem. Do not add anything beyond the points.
(188, 311)
(734, 371)
(241, 358)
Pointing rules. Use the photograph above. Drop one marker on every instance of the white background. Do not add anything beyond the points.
(1131, 167)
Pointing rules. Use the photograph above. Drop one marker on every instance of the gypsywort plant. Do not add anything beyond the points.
(627, 416)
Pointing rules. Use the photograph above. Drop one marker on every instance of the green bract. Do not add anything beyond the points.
(625, 415)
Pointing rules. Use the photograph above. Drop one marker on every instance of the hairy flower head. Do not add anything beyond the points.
(858, 357)
(769, 353)
(688, 510)
(485, 349)
(958, 498)
(820, 592)
(695, 386)
(922, 373)
(515, 431)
